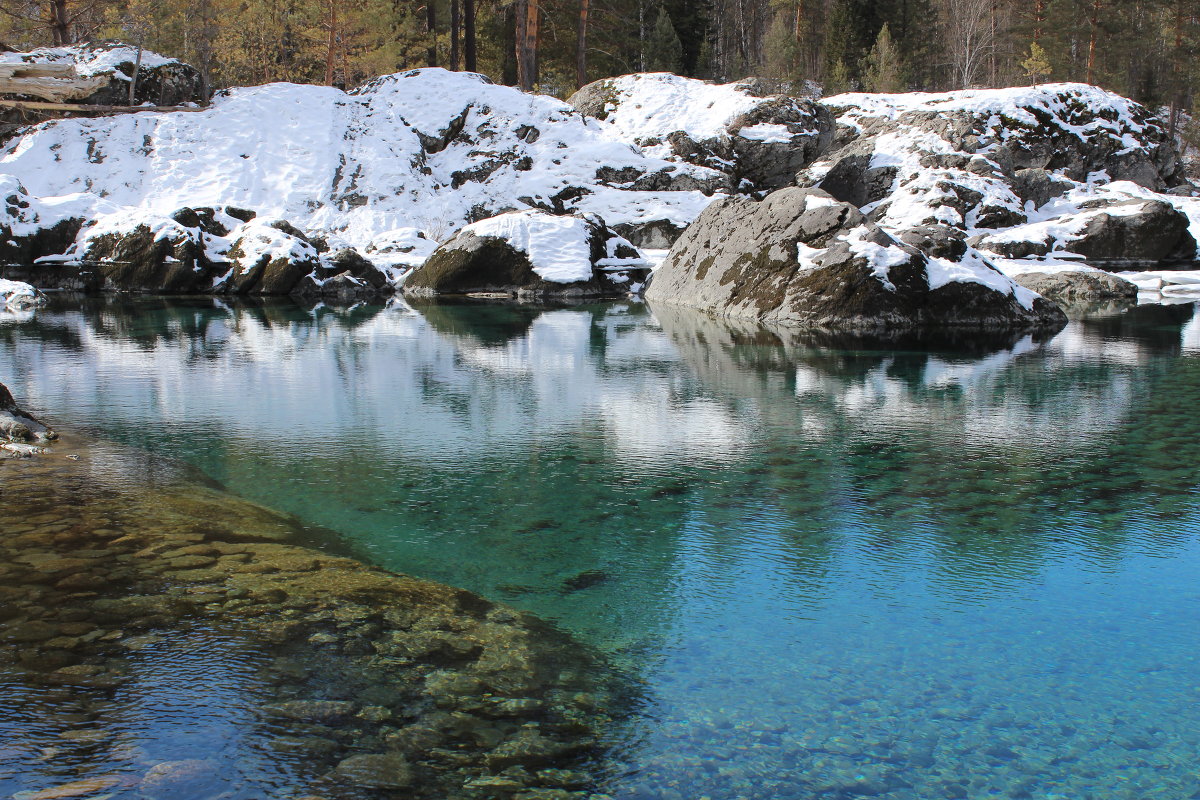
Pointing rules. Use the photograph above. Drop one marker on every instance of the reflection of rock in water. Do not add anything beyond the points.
(127, 599)
(884, 388)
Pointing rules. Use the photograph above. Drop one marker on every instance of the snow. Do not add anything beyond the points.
(349, 167)
(880, 258)
(654, 104)
(18, 296)
(557, 247)
(90, 60)
(766, 132)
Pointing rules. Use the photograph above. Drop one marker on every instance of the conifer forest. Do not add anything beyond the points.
(1144, 49)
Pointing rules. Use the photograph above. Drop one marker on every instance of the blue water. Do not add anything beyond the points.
(829, 571)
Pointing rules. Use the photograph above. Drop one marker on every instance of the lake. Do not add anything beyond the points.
(824, 568)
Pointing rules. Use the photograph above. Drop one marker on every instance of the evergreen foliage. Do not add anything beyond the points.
(1145, 49)
(884, 68)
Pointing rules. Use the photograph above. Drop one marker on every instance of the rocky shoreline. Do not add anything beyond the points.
(375, 683)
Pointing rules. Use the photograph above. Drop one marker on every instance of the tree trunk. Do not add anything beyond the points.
(331, 43)
(1039, 19)
(1094, 29)
(431, 29)
(1177, 87)
(641, 11)
(137, 68)
(469, 54)
(527, 38)
(581, 46)
(60, 23)
(454, 26)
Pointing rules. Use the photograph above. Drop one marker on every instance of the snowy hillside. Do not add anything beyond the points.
(423, 152)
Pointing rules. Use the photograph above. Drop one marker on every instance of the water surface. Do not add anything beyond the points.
(832, 570)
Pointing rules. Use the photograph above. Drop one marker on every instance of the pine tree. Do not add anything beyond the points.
(884, 69)
(782, 51)
(664, 52)
(838, 80)
(1037, 65)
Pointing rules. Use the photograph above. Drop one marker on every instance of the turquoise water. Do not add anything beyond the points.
(831, 571)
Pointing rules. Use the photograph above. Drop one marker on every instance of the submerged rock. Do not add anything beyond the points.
(368, 680)
(800, 257)
(531, 254)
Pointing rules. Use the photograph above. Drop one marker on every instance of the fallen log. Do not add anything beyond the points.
(78, 108)
(51, 82)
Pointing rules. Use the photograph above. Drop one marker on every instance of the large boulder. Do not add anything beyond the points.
(1072, 289)
(268, 257)
(758, 138)
(529, 254)
(799, 257)
(153, 255)
(1127, 231)
(1150, 232)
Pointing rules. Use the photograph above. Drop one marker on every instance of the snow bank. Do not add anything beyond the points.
(652, 105)
(423, 151)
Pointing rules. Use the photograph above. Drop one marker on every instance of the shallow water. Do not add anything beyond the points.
(832, 571)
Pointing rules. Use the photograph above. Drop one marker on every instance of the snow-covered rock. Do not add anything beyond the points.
(800, 257)
(160, 80)
(423, 153)
(532, 254)
(19, 296)
(1022, 173)
(759, 139)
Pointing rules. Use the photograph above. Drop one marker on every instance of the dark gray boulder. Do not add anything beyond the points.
(269, 257)
(799, 257)
(1151, 233)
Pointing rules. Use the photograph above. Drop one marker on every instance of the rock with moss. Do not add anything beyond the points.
(799, 257)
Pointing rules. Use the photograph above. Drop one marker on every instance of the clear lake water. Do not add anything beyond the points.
(827, 569)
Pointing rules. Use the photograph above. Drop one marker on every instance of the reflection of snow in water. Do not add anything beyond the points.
(403, 374)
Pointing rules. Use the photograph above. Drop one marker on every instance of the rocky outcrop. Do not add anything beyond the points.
(529, 255)
(1022, 173)
(17, 426)
(757, 138)
(799, 257)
